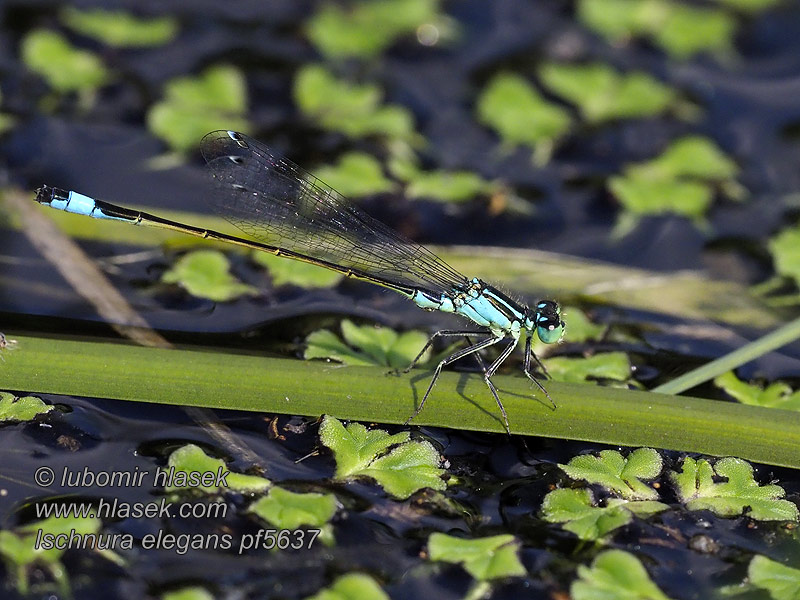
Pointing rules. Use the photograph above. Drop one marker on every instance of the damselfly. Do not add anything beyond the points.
(289, 212)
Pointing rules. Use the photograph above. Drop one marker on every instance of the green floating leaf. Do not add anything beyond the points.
(693, 156)
(324, 343)
(356, 175)
(6, 123)
(689, 30)
(616, 20)
(682, 180)
(119, 28)
(355, 446)
(290, 510)
(353, 110)
(622, 475)
(448, 186)
(580, 328)
(19, 550)
(681, 30)
(444, 186)
(776, 395)
(18, 545)
(603, 94)
(520, 115)
(615, 575)
(785, 250)
(285, 271)
(485, 558)
(205, 274)
(353, 586)
(407, 469)
(64, 67)
(641, 196)
(21, 409)
(403, 470)
(404, 166)
(739, 494)
(367, 345)
(613, 366)
(207, 474)
(577, 510)
(782, 582)
(367, 28)
(193, 106)
(188, 593)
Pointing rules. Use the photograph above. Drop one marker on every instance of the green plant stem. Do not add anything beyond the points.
(763, 345)
(242, 382)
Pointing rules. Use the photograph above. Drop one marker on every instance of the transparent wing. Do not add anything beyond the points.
(276, 202)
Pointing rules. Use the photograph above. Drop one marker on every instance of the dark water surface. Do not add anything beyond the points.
(750, 108)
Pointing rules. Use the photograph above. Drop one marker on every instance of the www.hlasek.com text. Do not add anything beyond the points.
(115, 509)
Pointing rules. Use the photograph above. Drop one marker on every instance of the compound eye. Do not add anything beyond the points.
(549, 326)
(550, 333)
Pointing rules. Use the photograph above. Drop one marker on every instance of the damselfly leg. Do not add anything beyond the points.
(526, 368)
(474, 349)
(490, 341)
(491, 371)
(442, 333)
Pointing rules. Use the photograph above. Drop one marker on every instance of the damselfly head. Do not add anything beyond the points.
(547, 319)
(6, 344)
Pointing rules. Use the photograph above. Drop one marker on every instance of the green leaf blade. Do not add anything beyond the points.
(367, 345)
(119, 28)
(194, 105)
(484, 558)
(290, 510)
(357, 174)
(192, 460)
(603, 94)
(205, 274)
(782, 582)
(355, 446)
(25, 408)
(519, 114)
(353, 586)
(405, 469)
(213, 378)
(739, 494)
(615, 575)
(64, 67)
(576, 510)
(353, 110)
(367, 28)
(617, 473)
